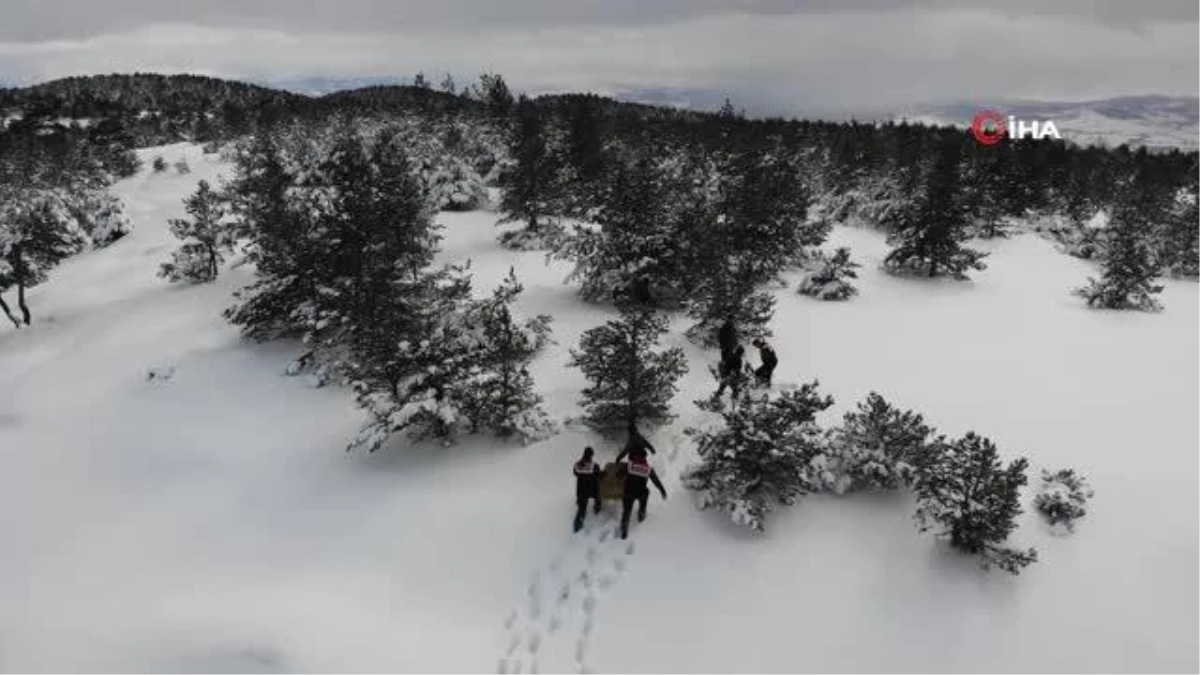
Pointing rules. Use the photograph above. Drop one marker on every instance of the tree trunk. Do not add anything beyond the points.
(21, 301)
(8, 313)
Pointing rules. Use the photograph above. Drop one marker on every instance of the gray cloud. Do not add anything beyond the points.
(39, 20)
(806, 54)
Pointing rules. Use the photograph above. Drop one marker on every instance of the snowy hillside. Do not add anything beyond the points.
(1157, 122)
(210, 520)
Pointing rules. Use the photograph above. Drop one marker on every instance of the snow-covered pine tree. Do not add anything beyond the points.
(529, 184)
(278, 222)
(630, 382)
(764, 454)
(502, 395)
(1179, 241)
(730, 294)
(413, 369)
(965, 492)
(159, 164)
(635, 252)
(206, 237)
(929, 238)
(831, 279)
(1129, 264)
(35, 235)
(755, 226)
(878, 447)
(1062, 497)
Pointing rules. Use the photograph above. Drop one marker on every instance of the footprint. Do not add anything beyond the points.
(513, 644)
(555, 623)
(564, 594)
(581, 652)
(535, 641)
(629, 548)
(588, 624)
(606, 582)
(510, 620)
(533, 667)
(502, 667)
(515, 666)
(619, 564)
(604, 534)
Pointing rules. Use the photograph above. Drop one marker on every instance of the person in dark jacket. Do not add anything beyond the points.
(636, 490)
(587, 485)
(731, 371)
(769, 361)
(636, 446)
(727, 338)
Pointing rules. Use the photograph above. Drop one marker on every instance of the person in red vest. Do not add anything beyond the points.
(587, 485)
(636, 489)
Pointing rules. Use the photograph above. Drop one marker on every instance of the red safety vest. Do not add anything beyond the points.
(585, 468)
(639, 469)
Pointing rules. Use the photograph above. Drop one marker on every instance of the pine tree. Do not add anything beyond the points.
(878, 446)
(160, 164)
(831, 280)
(635, 254)
(1179, 247)
(764, 454)
(1129, 263)
(929, 238)
(502, 394)
(495, 94)
(207, 239)
(630, 383)
(279, 225)
(755, 226)
(965, 492)
(529, 184)
(35, 235)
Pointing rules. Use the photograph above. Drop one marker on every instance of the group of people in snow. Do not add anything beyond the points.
(637, 475)
(733, 370)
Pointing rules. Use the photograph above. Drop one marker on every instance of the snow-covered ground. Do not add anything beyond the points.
(212, 521)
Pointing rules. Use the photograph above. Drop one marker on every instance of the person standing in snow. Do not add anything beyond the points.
(727, 338)
(769, 361)
(637, 490)
(730, 371)
(636, 446)
(587, 485)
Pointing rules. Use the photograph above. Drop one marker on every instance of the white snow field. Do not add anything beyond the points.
(211, 521)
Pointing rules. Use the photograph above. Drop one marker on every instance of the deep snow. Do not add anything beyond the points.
(211, 521)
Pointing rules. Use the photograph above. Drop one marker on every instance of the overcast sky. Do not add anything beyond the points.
(815, 55)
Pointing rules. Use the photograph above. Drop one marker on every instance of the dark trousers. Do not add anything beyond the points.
(581, 501)
(627, 508)
(763, 374)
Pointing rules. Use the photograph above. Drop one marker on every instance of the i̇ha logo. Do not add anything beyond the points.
(990, 127)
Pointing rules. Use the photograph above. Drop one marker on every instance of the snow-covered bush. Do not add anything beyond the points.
(830, 281)
(1062, 497)
(100, 215)
(159, 164)
(967, 494)
(877, 447)
(766, 453)
(182, 167)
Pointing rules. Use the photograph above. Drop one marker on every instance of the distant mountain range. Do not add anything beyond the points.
(1156, 122)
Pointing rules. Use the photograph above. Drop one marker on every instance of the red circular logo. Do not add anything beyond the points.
(988, 127)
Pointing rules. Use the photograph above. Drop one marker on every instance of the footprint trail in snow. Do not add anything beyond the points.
(556, 619)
